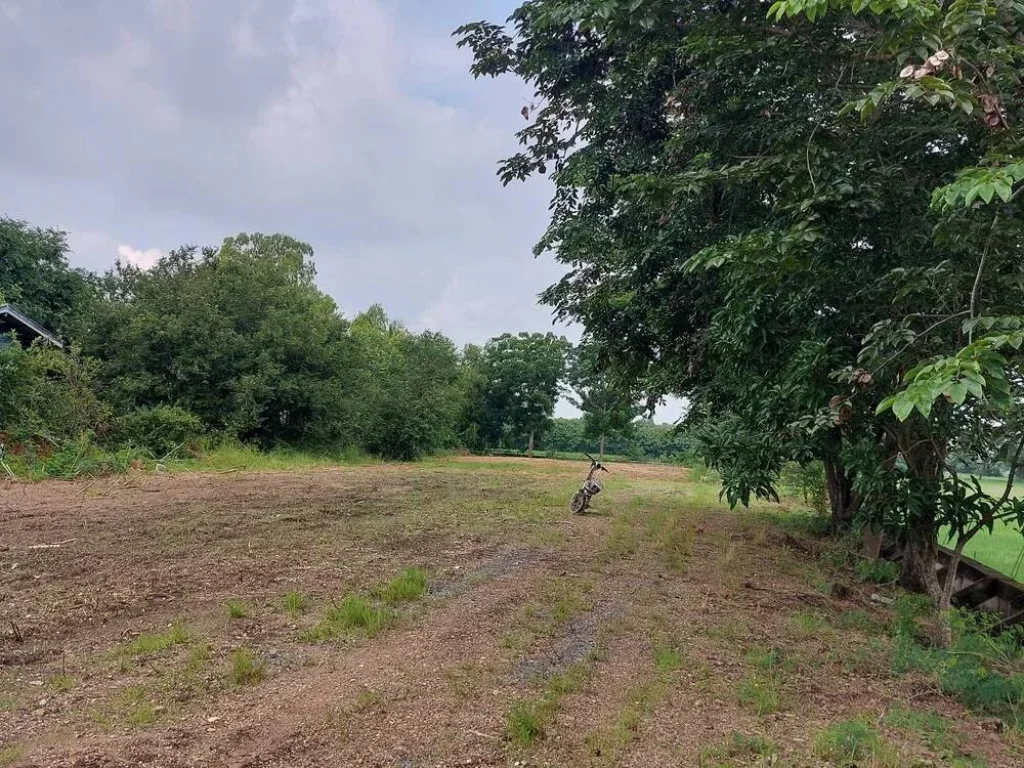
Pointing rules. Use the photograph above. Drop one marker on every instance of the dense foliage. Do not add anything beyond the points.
(806, 223)
(237, 343)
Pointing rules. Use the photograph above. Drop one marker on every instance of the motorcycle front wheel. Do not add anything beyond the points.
(578, 503)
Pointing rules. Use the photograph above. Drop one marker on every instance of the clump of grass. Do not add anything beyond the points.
(236, 609)
(523, 723)
(854, 742)
(156, 642)
(138, 708)
(858, 619)
(62, 683)
(667, 658)
(877, 571)
(295, 603)
(9, 703)
(409, 585)
(11, 754)
(760, 689)
(930, 727)
(737, 746)
(246, 667)
(353, 614)
(808, 625)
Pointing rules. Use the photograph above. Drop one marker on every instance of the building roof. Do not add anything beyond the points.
(14, 316)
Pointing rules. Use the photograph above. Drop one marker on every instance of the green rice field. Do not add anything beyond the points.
(1003, 549)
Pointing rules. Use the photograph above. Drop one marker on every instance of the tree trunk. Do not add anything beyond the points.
(600, 453)
(920, 555)
(529, 449)
(925, 460)
(843, 500)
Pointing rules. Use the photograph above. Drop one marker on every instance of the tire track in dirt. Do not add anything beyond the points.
(298, 719)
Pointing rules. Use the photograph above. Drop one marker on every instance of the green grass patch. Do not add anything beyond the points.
(877, 571)
(11, 754)
(409, 585)
(737, 747)
(152, 643)
(236, 609)
(137, 707)
(295, 603)
(61, 684)
(523, 723)
(855, 742)
(526, 720)
(667, 658)
(353, 614)
(761, 689)
(810, 625)
(246, 667)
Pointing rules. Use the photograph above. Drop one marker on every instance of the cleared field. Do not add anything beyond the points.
(445, 613)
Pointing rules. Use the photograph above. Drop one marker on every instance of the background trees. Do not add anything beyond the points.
(787, 223)
(523, 374)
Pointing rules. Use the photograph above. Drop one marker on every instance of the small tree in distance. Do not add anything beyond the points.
(609, 407)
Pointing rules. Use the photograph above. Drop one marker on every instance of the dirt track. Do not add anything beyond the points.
(521, 593)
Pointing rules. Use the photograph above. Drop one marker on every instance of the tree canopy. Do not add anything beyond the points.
(782, 222)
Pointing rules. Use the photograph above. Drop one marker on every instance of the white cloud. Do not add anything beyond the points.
(143, 259)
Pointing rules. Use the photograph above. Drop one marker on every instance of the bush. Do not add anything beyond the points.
(162, 430)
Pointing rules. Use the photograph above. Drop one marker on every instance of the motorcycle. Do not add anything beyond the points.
(591, 487)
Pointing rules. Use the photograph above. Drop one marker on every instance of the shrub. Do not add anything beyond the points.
(877, 571)
(163, 429)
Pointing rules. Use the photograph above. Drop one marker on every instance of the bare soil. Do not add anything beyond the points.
(632, 632)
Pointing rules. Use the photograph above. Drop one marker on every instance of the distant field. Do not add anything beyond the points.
(1003, 549)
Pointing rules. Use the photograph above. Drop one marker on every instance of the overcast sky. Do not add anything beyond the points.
(141, 125)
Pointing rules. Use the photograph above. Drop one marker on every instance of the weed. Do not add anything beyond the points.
(932, 728)
(859, 620)
(11, 754)
(236, 609)
(760, 690)
(410, 584)
(737, 746)
(246, 667)
(667, 658)
(137, 707)
(9, 703)
(61, 684)
(809, 625)
(295, 603)
(730, 631)
(198, 658)
(854, 742)
(877, 571)
(523, 723)
(352, 614)
(157, 642)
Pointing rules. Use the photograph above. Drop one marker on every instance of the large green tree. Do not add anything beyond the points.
(35, 275)
(735, 235)
(524, 374)
(238, 335)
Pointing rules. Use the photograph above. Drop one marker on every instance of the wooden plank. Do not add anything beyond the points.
(977, 593)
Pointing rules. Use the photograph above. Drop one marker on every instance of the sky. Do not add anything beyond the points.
(140, 125)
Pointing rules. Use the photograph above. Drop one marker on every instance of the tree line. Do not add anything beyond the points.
(237, 342)
(805, 218)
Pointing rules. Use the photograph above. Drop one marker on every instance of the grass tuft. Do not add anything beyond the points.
(156, 642)
(523, 723)
(11, 754)
(409, 585)
(295, 603)
(236, 609)
(61, 684)
(855, 742)
(246, 667)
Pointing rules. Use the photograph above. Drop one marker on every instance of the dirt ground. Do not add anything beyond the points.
(178, 620)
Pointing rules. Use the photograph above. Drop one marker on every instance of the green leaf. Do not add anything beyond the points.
(903, 406)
